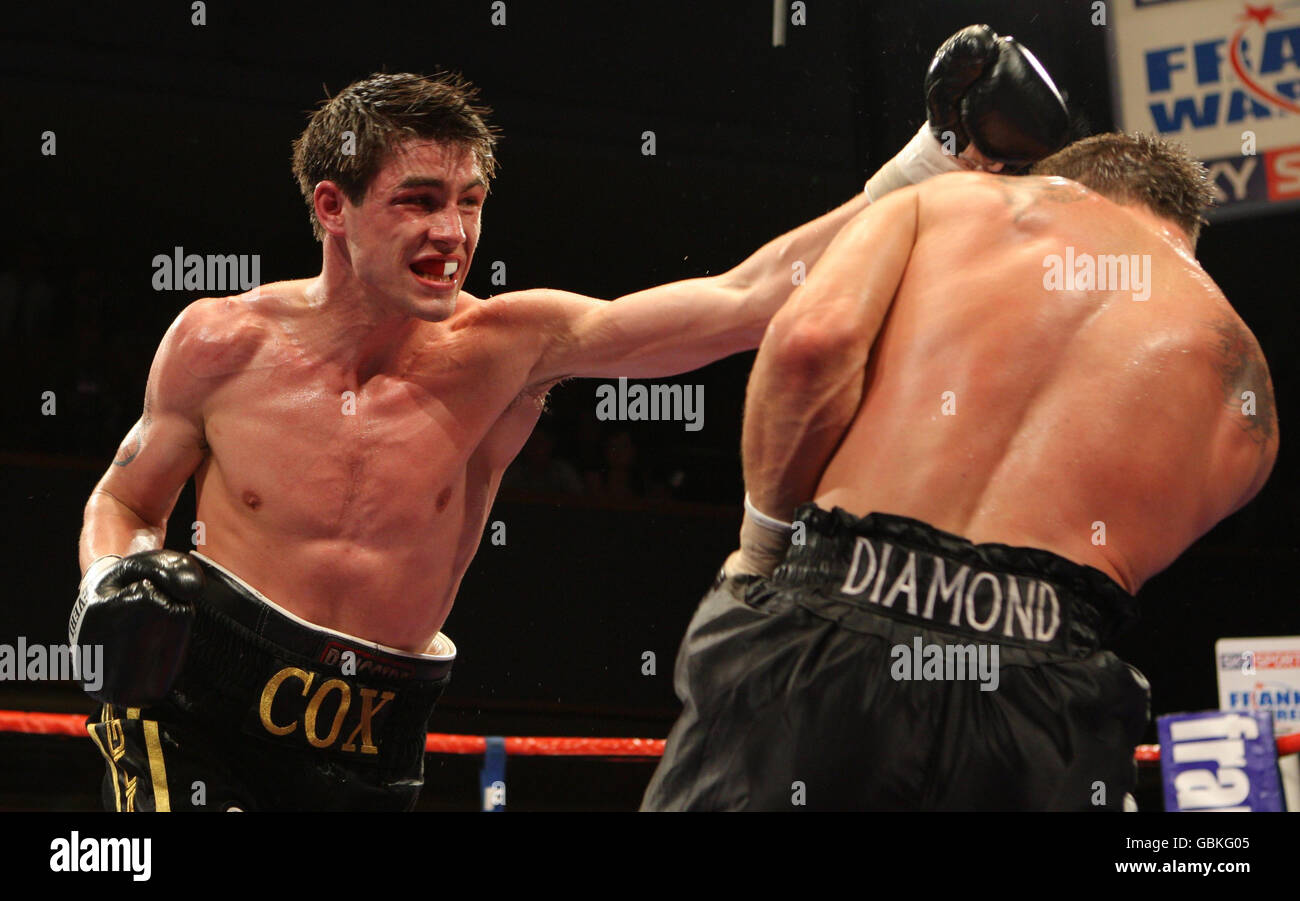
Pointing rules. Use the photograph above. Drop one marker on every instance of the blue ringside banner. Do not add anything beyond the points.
(1219, 761)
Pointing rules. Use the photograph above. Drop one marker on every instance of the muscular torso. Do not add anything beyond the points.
(1105, 429)
(356, 511)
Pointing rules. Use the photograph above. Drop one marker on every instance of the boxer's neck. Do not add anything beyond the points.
(362, 333)
(1166, 228)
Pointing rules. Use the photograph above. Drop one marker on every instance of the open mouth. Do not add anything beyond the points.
(436, 272)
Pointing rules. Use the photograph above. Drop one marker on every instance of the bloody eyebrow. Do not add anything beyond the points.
(416, 181)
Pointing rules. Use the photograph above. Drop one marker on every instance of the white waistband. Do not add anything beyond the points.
(443, 647)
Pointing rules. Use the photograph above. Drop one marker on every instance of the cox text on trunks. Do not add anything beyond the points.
(308, 712)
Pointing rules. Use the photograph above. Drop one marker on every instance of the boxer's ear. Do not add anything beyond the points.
(328, 200)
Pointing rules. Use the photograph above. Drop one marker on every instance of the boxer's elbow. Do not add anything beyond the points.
(106, 505)
(760, 289)
(810, 346)
(111, 525)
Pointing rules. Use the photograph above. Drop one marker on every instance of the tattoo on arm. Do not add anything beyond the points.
(1241, 368)
(131, 445)
(134, 439)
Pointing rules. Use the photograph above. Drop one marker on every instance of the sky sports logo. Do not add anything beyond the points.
(1249, 661)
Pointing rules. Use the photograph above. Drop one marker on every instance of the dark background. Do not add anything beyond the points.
(170, 134)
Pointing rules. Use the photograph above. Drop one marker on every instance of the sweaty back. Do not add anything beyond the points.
(1054, 372)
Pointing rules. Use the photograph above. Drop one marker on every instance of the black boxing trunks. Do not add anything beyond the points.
(887, 665)
(271, 712)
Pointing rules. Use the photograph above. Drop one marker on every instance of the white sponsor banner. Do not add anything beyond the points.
(1264, 674)
(1221, 77)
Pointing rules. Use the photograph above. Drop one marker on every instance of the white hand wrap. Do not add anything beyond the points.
(920, 159)
(86, 592)
(763, 543)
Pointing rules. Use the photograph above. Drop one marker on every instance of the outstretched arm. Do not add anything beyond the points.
(682, 325)
(987, 98)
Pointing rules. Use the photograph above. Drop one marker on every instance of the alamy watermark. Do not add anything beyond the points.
(678, 403)
(77, 854)
(946, 663)
(1102, 272)
(181, 271)
(21, 662)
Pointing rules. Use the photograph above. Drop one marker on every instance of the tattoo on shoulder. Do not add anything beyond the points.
(1024, 195)
(1243, 373)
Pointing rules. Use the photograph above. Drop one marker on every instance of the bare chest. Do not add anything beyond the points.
(316, 457)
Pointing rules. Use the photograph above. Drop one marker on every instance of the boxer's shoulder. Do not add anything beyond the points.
(1231, 349)
(527, 314)
(1013, 197)
(215, 337)
(493, 325)
(1228, 382)
(516, 306)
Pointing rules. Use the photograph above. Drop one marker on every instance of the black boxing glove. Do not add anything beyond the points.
(139, 609)
(992, 92)
(961, 61)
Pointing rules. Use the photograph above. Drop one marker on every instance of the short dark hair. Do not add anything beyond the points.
(381, 112)
(1137, 168)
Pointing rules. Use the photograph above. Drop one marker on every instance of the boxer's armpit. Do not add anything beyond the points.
(535, 395)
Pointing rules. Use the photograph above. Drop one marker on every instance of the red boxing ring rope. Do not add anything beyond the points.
(73, 724)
